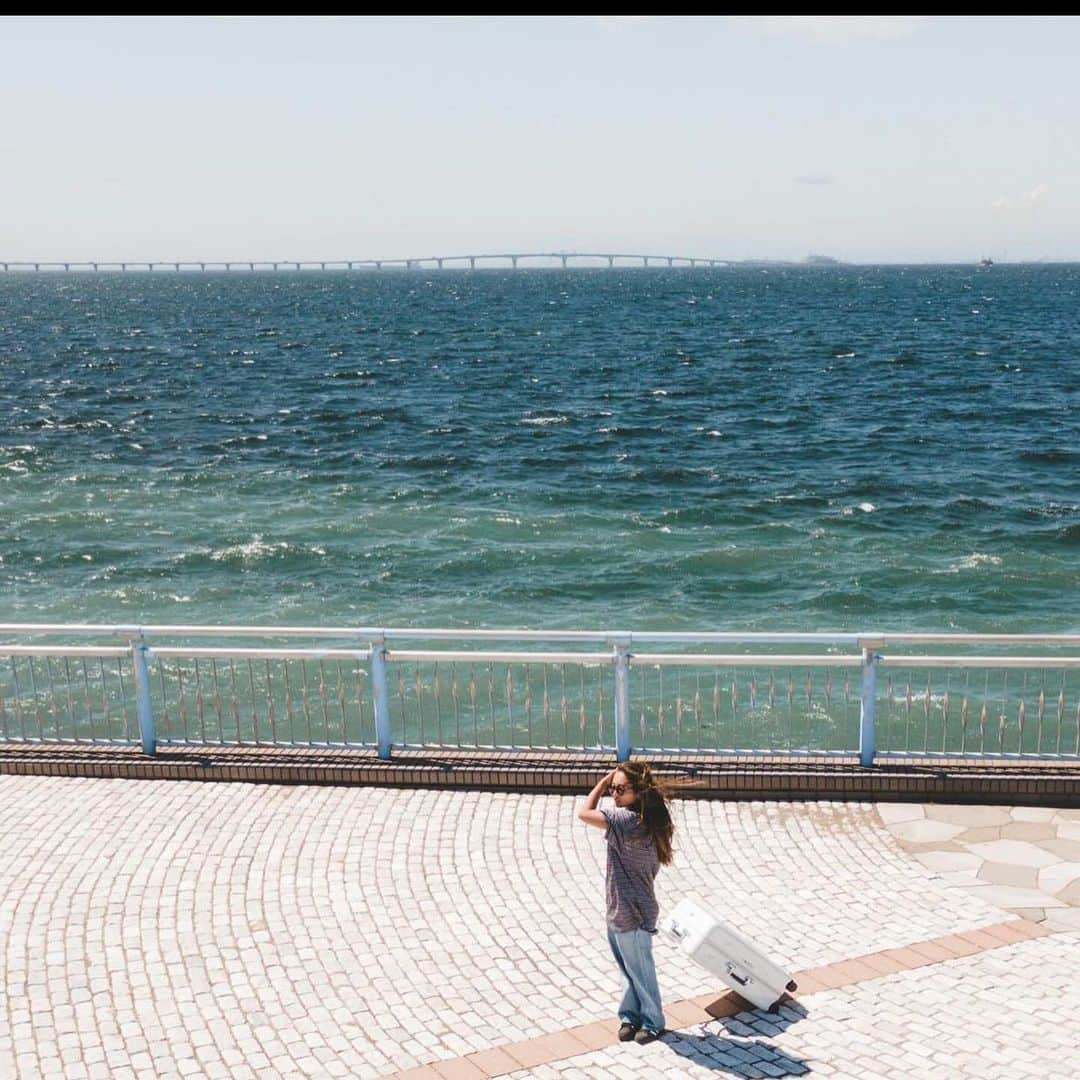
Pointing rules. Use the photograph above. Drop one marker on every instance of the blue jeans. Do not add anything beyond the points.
(640, 1003)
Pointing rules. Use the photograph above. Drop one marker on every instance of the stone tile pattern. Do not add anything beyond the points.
(697, 1011)
(1007, 1013)
(176, 928)
(1024, 859)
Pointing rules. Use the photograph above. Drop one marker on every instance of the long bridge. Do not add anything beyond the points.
(566, 259)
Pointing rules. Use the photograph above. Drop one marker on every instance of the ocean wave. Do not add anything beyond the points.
(975, 561)
(541, 421)
(352, 375)
(1048, 457)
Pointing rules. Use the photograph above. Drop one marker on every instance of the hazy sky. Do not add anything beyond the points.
(876, 138)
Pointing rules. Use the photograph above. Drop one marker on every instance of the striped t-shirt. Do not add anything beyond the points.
(632, 865)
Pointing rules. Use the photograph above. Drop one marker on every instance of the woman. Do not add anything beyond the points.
(638, 833)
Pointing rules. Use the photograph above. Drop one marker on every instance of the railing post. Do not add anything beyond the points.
(866, 712)
(382, 699)
(143, 709)
(622, 701)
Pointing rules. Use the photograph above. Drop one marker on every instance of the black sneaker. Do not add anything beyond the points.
(627, 1032)
(646, 1036)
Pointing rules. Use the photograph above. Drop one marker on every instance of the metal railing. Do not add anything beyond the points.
(360, 687)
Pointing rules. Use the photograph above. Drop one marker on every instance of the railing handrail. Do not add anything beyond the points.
(483, 656)
(876, 639)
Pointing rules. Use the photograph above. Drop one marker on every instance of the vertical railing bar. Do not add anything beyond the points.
(358, 690)
(341, 704)
(436, 688)
(697, 707)
(1041, 711)
(678, 709)
(508, 693)
(491, 701)
(217, 700)
(717, 716)
(380, 695)
(289, 715)
(529, 703)
(70, 702)
(402, 709)
(473, 699)
(751, 735)
(105, 712)
(455, 697)
(271, 710)
(984, 712)
(1061, 710)
(54, 706)
(87, 701)
(199, 704)
(926, 714)
(847, 707)
(661, 706)
(965, 711)
(945, 703)
(621, 701)
(581, 706)
(324, 703)
(418, 689)
(18, 697)
(37, 703)
(305, 701)
(1021, 715)
(600, 708)
(166, 722)
(867, 708)
(234, 695)
(644, 718)
(547, 704)
(254, 707)
(144, 712)
(4, 713)
(564, 708)
(1003, 717)
(181, 704)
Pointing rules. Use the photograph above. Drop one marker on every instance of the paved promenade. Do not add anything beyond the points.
(165, 928)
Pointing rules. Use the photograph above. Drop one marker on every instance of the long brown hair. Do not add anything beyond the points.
(653, 798)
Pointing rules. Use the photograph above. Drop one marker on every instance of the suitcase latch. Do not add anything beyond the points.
(740, 979)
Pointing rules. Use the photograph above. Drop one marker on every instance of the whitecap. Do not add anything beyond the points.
(256, 548)
(539, 420)
(975, 560)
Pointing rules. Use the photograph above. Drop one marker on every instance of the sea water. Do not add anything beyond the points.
(754, 447)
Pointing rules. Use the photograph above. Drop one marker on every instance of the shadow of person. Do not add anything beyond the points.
(741, 1057)
(732, 1041)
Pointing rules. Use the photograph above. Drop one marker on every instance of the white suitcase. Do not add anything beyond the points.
(726, 953)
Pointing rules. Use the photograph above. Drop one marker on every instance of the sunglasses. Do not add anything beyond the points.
(620, 789)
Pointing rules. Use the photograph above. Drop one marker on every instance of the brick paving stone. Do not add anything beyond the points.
(157, 927)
